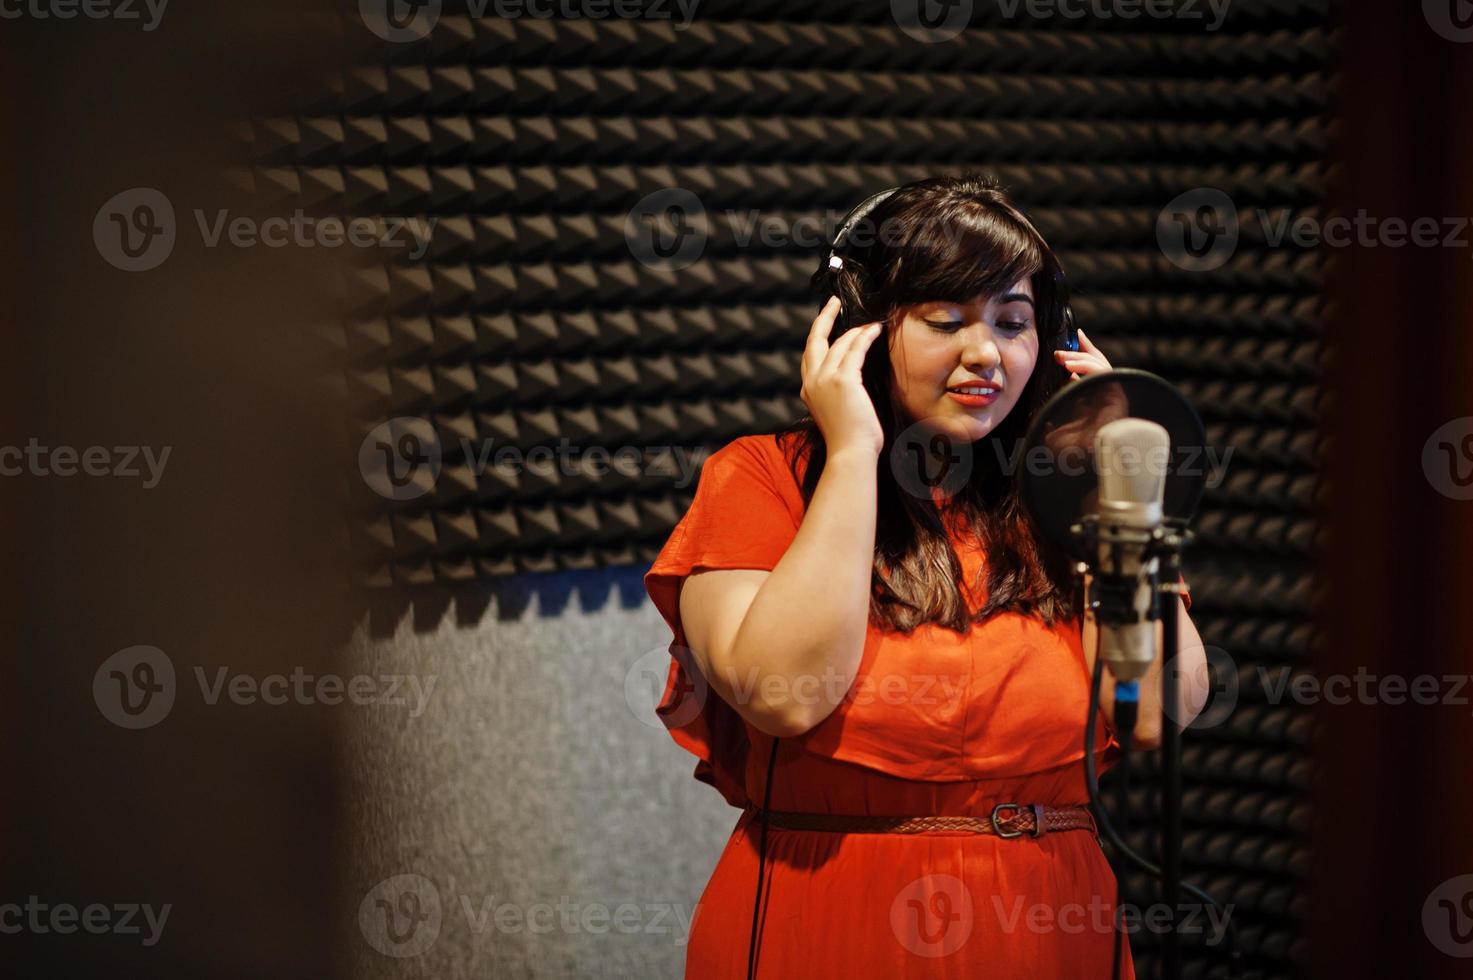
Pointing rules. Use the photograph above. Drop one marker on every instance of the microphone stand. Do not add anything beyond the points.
(1166, 543)
(1168, 588)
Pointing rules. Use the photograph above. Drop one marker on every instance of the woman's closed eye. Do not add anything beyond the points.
(949, 326)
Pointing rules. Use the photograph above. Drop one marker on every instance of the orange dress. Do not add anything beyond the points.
(934, 723)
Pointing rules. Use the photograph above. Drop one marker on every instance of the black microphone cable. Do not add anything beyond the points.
(1127, 708)
(761, 863)
(1102, 820)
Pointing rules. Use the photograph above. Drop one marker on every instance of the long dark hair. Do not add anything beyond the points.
(951, 239)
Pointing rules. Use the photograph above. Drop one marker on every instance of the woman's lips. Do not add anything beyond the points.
(974, 401)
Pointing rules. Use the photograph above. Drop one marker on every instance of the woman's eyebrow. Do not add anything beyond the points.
(1016, 298)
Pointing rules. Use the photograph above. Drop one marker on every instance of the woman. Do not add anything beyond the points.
(857, 639)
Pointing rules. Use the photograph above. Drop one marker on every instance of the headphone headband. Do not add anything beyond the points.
(854, 217)
(862, 210)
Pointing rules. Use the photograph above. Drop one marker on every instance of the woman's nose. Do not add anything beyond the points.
(979, 347)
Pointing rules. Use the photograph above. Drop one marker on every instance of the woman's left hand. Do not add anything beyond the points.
(1088, 360)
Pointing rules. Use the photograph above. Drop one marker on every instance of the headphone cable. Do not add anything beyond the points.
(761, 863)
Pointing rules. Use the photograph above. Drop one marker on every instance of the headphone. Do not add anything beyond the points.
(828, 272)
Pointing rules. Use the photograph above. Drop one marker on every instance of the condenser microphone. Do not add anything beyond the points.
(1131, 457)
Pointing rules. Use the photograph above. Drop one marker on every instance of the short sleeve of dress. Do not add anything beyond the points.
(745, 513)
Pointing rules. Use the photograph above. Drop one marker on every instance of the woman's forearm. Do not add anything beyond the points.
(798, 648)
(1192, 686)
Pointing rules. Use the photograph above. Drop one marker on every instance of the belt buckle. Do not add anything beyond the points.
(1037, 820)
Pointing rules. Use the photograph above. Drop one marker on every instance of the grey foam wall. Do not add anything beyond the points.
(536, 773)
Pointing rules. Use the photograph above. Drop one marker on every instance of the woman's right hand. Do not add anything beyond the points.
(832, 388)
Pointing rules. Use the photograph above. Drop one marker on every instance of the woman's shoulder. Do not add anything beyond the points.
(753, 479)
(767, 446)
(769, 453)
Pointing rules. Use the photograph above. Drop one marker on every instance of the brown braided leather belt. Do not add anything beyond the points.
(1032, 819)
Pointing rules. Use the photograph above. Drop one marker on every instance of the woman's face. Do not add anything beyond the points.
(941, 347)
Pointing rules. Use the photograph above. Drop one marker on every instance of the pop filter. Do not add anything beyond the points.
(1059, 485)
